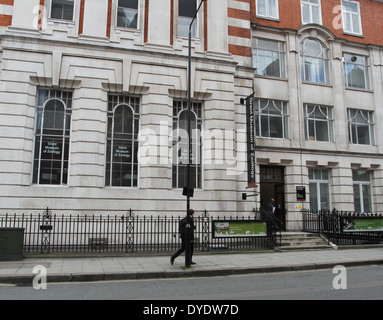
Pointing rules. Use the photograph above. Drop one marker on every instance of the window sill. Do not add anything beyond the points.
(70, 23)
(50, 185)
(359, 89)
(258, 76)
(268, 18)
(359, 35)
(125, 29)
(318, 84)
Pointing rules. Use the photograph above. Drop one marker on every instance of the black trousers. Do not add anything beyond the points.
(182, 249)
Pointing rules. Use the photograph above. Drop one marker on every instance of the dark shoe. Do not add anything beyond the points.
(192, 262)
(171, 260)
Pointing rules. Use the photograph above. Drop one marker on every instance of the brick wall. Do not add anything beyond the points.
(290, 17)
(5, 17)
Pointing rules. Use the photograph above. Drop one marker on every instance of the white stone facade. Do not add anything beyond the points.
(93, 58)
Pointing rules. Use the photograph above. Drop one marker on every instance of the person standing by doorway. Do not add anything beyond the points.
(182, 231)
(271, 206)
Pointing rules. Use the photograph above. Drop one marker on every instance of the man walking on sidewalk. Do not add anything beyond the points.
(182, 231)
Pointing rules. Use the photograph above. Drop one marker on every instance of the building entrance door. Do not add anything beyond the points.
(273, 186)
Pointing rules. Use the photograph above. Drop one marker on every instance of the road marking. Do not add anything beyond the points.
(7, 285)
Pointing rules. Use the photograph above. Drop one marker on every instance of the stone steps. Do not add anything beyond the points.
(303, 241)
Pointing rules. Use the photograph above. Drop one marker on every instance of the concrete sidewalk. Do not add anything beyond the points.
(133, 267)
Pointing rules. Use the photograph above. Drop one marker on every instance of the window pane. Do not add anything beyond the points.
(306, 13)
(363, 135)
(350, 6)
(313, 48)
(54, 113)
(366, 191)
(132, 4)
(261, 7)
(355, 23)
(357, 202)
(273, 8)
(62, 9)
(355, 76)
(276, 128)
(187, 8)
(324, 196)
(322, 131)
(183, 26)
(127, 14)
(313, 197)
(361, 175)
(127, 18)
(316, 14)
(50, 172)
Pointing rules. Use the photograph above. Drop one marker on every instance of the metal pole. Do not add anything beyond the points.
(188, 245)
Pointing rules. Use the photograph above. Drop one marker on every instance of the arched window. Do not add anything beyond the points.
(181, 145)
(315, 62)
(122, 142)
(52, 137)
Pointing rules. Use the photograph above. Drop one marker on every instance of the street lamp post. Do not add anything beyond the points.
(189, 188)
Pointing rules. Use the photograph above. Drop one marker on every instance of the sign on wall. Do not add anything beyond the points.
(250, 141)
(363, 225)
(239, 228)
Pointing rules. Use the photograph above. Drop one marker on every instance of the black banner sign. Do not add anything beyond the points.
(250, 141)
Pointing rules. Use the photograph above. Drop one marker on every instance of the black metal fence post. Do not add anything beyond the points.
(46, 229)
(205, 231)
(129, 231)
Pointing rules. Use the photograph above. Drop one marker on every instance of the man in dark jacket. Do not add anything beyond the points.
(185, 223)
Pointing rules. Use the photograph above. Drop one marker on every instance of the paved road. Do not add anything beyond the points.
(362, 283)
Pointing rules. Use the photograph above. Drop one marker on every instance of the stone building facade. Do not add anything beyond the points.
(93, 105)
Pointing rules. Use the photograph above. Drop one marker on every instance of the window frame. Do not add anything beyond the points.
(354, 125)
(359, 186)
(267, 14)
(42, 145)
(180, 138)
(261, 116)
(311, 116)
(116, 101)
(125, 26)
(346, 13)
(319, 177)
(183, 29)
(347, 61)
(62, 18)
(322, 63)
(281, 52)
(311, 5)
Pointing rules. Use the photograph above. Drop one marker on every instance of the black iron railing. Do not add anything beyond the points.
(345, 227)
(124, 233)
